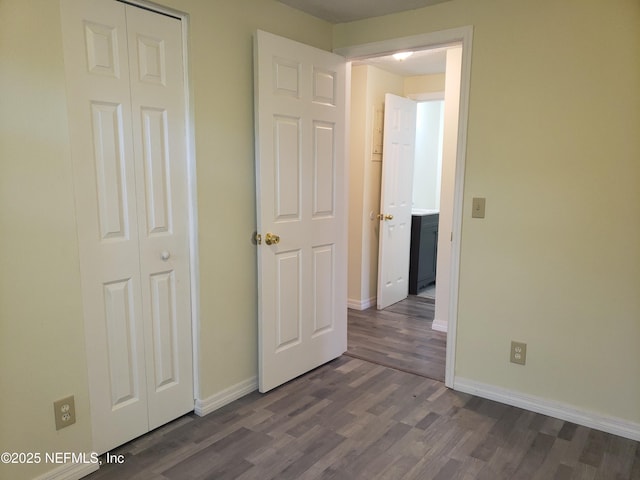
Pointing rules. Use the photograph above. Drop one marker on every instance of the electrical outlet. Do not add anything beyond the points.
(518, 352)
(65, 412)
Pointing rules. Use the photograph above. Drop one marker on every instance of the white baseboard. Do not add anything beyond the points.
(563, 411)
(440, 326)
(69, 471)
(361, 304)
(226, 396)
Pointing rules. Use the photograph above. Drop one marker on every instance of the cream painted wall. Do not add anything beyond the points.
(374, 82)
(42, 355)
(359, 148)
(427, 168)
(553, 145)
(424, 84)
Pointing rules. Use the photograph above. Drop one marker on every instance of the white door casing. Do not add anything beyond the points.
(301, 197)
(464, 37)
(126, 103)
(445, 271)
(398, 153)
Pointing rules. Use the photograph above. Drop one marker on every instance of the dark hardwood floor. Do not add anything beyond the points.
(400, 337)
(352, 419)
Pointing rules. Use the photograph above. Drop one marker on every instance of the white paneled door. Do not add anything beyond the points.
(301, 207)
(126, 97)
(398, 153)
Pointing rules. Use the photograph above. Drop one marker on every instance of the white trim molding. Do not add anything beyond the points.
(552, 408)
(226, 396)
(427, 97)
(361, 304)
(70, 471)
(414, 42)
(440, 326)
(454, 36)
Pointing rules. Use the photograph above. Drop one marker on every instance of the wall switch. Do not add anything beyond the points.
(518, 352)
(477, 207)
(65, 412)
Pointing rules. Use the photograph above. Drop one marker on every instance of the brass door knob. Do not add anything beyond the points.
(382, 216)
(271, 239)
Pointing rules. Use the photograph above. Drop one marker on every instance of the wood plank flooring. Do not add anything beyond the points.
(352, 419)
(400, 336)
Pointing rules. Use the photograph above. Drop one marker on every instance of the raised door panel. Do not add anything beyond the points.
(122, 345)
(287, 162)
(325, 83)
(289, 302)
(157, 174)
(165, 330)
(323, 289)
(324, 169)
(103, 54)
(111, 170)
(152, 65)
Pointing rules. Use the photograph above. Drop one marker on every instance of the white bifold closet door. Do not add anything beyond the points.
(126, 96)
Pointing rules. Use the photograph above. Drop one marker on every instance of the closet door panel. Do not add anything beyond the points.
(159, 142)
(100, 124)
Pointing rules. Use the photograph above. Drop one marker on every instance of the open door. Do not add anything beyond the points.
(301, 211)
(398, 154)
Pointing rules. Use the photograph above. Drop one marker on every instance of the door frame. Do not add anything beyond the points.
(463, 36)
(192, 194)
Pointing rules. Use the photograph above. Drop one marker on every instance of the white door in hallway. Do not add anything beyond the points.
(398, 153)
(301, 207)
(126, 98)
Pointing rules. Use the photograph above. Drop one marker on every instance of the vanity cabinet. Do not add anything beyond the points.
(423, 252)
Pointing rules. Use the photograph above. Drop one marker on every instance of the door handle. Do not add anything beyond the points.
(271, 239)
(165, 255)
(382, 216)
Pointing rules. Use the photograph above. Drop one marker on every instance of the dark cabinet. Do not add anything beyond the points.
(424, 251)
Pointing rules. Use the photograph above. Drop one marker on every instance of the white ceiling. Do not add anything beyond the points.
(340, 11)
(422, 62)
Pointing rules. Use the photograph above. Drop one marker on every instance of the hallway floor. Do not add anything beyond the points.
(400, 337)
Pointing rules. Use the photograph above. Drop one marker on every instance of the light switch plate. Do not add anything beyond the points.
(477, 207)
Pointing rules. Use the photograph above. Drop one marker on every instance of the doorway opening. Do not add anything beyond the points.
(364, 197)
